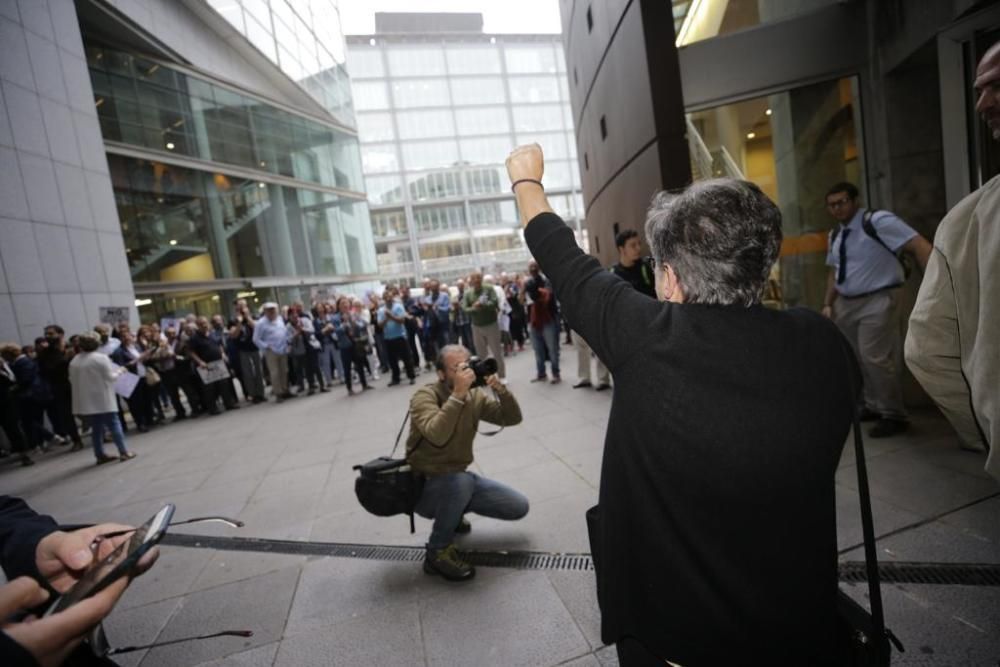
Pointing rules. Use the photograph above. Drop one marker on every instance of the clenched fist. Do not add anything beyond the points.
(526, 162)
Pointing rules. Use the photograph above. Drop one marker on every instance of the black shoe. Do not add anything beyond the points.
(27, 460)
(368, 387)
(582, 384)
(324, 390)
(106, 459)
(393, 383)
(311, 392)
(232, 407)
(866, 415)
(447, 563)
(412, 380)
(258, 399)
(604, 386)
(464, 527)
(77, 446)
(888, 427)
(180, 418)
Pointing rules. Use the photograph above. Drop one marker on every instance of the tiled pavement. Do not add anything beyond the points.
(286, 471)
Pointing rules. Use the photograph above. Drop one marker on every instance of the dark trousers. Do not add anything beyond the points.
(463, 335)
(399, 351)
(140, 404)
(32, 413)
(64, 423)
(412, 335)
(307, 369)
(434, 340)
(252, 374)
(211, 392)
(383, 355)
(10, 427)
(633, 653)
(171, 385)
(190, 384)
(349, 359)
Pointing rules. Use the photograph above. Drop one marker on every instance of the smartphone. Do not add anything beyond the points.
(119, 563)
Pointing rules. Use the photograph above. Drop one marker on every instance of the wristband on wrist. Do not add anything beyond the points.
(526, 180)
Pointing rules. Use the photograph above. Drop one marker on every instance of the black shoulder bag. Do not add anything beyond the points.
(863, 637)
(386, 486)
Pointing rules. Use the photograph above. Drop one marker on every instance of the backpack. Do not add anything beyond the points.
(869, 229)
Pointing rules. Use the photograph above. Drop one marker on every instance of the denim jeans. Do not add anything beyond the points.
(547, 338)
(110, 421)
(447, 497)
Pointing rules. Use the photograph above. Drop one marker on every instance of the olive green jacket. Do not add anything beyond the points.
(445, 428)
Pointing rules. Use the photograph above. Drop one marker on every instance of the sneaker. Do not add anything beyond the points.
(101, 460)
(127, 456)
(604, 386)
(448, 564)
(464, 527)
(888, 427)
(555, 380)
(582, 384)
(540, 378)
(412, 380)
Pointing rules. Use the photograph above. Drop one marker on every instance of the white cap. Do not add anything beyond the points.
(269, 304)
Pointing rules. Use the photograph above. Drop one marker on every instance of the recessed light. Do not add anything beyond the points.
(262, 185)
(173, 241)
(371, 41)
(751, 135)
(170, 145)
(767, 113)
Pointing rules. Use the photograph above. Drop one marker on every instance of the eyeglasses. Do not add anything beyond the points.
(838, 203)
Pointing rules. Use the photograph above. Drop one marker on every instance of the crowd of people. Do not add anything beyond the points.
(203, 365)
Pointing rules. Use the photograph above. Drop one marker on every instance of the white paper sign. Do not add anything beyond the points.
(126, 384)
(215, 372)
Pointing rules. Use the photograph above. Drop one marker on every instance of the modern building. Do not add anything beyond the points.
(439, 105)
(170, 155)
(793, 95)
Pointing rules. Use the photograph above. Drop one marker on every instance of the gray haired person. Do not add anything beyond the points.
(726, 428)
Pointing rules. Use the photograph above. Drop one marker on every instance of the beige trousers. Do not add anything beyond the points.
(583, 354)
(487, 342)
(277, 366)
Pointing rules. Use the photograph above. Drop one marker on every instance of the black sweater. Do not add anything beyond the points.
(717, 539)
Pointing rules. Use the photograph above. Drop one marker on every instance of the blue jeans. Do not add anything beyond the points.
(106, 420)
(447, 497)
(546, 339)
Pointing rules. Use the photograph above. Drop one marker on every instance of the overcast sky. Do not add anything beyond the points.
(499, 16)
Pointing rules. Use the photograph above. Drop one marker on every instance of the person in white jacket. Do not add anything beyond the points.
(92, 376)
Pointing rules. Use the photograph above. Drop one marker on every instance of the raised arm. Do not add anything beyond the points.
(611, 316)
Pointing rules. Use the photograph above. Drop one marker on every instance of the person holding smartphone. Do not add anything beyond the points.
(36, 555)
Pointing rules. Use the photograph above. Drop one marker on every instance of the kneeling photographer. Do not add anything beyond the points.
(444, 417)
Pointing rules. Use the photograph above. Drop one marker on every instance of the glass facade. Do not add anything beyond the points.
(695, 20)
(794, 145)
(143, 103)
(304, 39)
(225, 192)
(437, 117)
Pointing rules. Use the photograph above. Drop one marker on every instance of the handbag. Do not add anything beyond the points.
(862, 636)
(386, 486)
(152, 377)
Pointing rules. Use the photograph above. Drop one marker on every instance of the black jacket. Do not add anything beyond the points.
(717, 537)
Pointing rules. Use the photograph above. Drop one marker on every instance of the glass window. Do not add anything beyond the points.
(425, 124)
(370, 94)
(375, 127)
(771, 141)
(493, 213)
(486, 150)
(531, 59)
(499, 242)
(435, 185)
(429, 154)
(260, 37)
(482, 120)
(557, 175)
(420, 93)
(447, 250)
(388, 224)
(486, 180)
(365, 62)
(473, 59)
(534, 89)
(416, 60)
(436, 219)
(538, 118)
(487, 90)
(384, 189)
(377, 158)
(703, 20)
(554, 144)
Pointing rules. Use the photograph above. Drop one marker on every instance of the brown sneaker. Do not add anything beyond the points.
(447, 563)
(127, 456)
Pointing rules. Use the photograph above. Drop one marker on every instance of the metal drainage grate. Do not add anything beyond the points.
(950, 574)
(850, 572)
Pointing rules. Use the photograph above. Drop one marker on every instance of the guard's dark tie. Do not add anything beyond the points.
(842, 264)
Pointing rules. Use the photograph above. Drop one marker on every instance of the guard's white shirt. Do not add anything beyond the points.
(92, 376)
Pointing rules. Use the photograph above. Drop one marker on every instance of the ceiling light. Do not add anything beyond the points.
(170, 145)
(262, 185)
(99, 102)
(767, 113)
(493, 40)
(371, 41)
(173, 241)
(263, 163)
(143, 302)
(751, 135)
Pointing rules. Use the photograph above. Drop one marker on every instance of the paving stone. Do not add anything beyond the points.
(226, 567)
(172, 576)
(386, 637)
(578, 592)
(494, 610)
(259, 604)
(137, 626)
(262, 656)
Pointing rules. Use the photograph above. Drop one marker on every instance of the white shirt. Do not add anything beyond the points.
(92, 376)
(109, 348)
